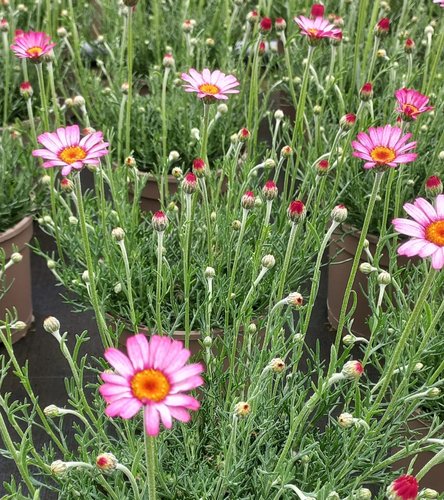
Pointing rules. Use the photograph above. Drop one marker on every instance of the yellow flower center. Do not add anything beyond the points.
(209, 88)
(72, 154)
(34, 51)
(435, 232)
(383, 155)
(313, 32)
(150, 385)
(409, 109)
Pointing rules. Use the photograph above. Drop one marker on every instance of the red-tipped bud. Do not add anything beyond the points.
(168, 61)
(317, 10)
(18, 33)
(322, 167)
(270, 190)
(106, 461)
(26, 90)
(338, 21)
(66, 185)
(382, 27)
(159, 221)
(352, 370)
(409, 46)
(199, 167)
(188, 25)
(336, 39)
(286, 151)
(433, 186)
(247, 200)
(262, 48)
(347, 121)
(280, 24)
(339, 213)
(366, 92)
(404, 488)
(4, 25)
(189, 183)
(243, 135)
(266, 25)
(296, 211)
(253, 17)
(88, 130)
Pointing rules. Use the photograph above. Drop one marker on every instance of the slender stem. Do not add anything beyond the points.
(120, 127)
(164, 115)
(129, 288)
(186, 265)
(437, 459)
(130, 58)
(159, 281)
(203, 187)
(150, 450)
(287, 258)
(204, 141)
(55, 104)
(131, 479)
(356, 260)
(103, 330)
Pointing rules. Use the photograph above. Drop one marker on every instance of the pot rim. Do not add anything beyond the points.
(16, 229)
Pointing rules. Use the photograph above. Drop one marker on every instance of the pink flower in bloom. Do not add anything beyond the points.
(404, 488)
(411, 103)
(210, 85)
(439, 2)
(154, 375)
(317, 28)
(64, 148)
(426, 230)
(384, 146)
(32, 45)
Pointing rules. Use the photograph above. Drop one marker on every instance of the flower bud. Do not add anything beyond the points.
(207, 341)
(384, 278)
(51, 264)
(199, 167)
(117, 288)
(268, 261)
(409, 46)
(118, 233)
(188, 25)
(173, 156)
(159, 221)
(79, 101)
(322, 167)
(19, 326)
(236, 225)
(247, 200)
(4, 25)
(348, 340)
(253, 17)
(433, 392)
(429, 30)
(52, 411)
(286, 151)
(433, 186)
(352, 370)
(404, 488)
(280, 24)
(382, 54)
(51, 325)
(106, 461)
(252, 328)
(317, 10)
(73, 220)
(382, 27)
(242, 409)
(366, 92)
(270, 190)
(66, 185)
(346, 420)
(265, 25)
(16, 257)
(168, 61)
(339, 213)
(210, 272)
(189, 183)
(130, 162)
(269, 163)
(295, 300)
(222, 109)
(296, 211)
(277, 365)
(243, 135)
(85, 277)
(26, 90)
(364, 494)
(367, 268)
(429, 493)
(58, 467)
(347, 121)
(279, 114)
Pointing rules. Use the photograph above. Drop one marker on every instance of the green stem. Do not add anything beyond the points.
(130, 58)
(129, 288)
(437, 459)
(159, 281)
(55, 104)
(186, 265)
(204, 142)
(356, 260)
(164, 116)
(150, 450)
(203, 187)
(287, 259)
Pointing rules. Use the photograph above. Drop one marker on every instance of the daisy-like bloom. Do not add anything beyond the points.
(384, 147)
(426, 230)
(65, 149)
(316, 29)
(210, 86)
(404, 488)
(154, 376)
(411, 103)
(32, 45)
(439, 2)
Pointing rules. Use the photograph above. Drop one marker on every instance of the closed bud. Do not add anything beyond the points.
(173, 156)
(130, 162)
(199, 167)
(352, 370)
(243, 135)
(339, 213)
(279, 114)
(242, 409)
(117, 288)
(51, 264)
(26, 90)
(85, 277)
(433, 392)
(295, 300)
(168, 61)
(16, 257)
(51, 325)
(189, 183)
(286, 151)
(367, 268)
(270, 190)
(79, 101)
(280, 24)
(222, 109)
(322, 167)
(252, 328)
(19, 326)
(188, 25)
(253, 17)
(364, 494)
(277, 365)
(73, 220)
(366, 92)
(429, 493)
(296, 211)
(247, 200)
(207, 341)
(106, 461)
(210, 272)
(433, 186)
(58, 467)
(236, 225)
(66, 185)
(268, 261)
(348, 340)
(382, 27)
(269, 163)
(347, 121)
(404, 488)
(118, 234)
(384, 278)
(346, 420)
(265, 25)
(409, 46)
(52, 411)
(159, 221)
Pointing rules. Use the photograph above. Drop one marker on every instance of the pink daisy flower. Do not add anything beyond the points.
(32, 45)
(64, 148)
(411, 103)
(426, 230)
(317, 28)
(210, 86)
(439, 2)
(384, 147)
(153, 376)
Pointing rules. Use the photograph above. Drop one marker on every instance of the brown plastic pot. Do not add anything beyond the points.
(418, 428)
(342, 249)
(150, 196)
(17, 279)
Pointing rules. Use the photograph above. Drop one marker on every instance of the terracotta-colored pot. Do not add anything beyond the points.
(342, 249)
(17, 279)
(419, 428)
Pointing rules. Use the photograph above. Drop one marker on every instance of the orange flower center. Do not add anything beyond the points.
(435, 232)
(209, 88)
(150, 385)
(409, 109)
(72, 154)
(383, 155)
(312, 32)
(34, 51)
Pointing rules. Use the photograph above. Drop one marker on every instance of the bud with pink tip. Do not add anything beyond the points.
(4, 25)
(382, 27)
(322, 167)
(265, 25)
(189, 183)
(296, 211)
(199, 167)
(168, 61)
(247, 201)
(347, 121)
(366, 92)
(409, 46)
(253, 17)
(433, 186)
(404, 488)
(352, 370)
(295, 300)
(188, 25)
(26, 90)
(159, 221)
(243, 135)
(106, 461)
(270, 190)
(339, 213)
(317, 10)
(280, 24)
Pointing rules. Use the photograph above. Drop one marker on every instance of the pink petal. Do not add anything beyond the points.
(120, 362)
(151, 420)
(187, 384)
(180, 414)
(426, 207)
(439, 206)
(113, 378)
(138, 351)
(408, 227)
(116, 407)
(186, 372)
(131, 408)
(411, 247)
(438, 259)
(417, 214)
(165, 415)
(182, 400)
